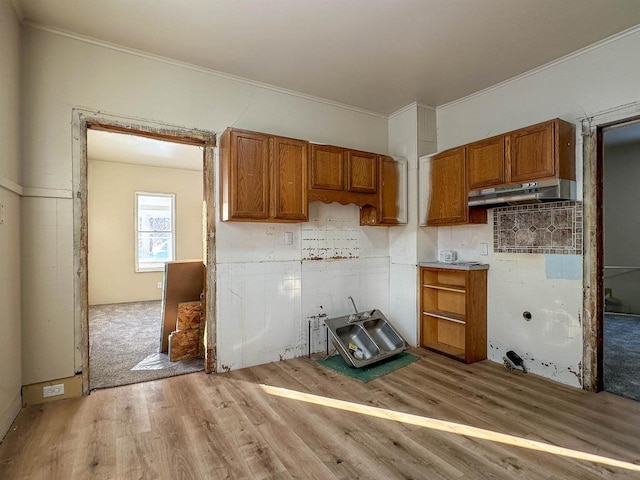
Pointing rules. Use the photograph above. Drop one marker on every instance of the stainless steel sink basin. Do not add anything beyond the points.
(353, 334)
(383, 335)
(364, 338)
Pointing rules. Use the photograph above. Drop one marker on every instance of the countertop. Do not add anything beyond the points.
(456, 265)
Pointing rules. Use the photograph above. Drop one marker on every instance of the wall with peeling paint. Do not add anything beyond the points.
(10, 262)
(590, 82)
(275, 292)
(261, 281)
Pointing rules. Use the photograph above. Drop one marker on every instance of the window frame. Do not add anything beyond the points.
(137, 231)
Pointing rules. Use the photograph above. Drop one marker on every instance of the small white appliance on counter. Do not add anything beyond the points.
(447, 256)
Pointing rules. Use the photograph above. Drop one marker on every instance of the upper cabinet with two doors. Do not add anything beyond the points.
(267, 178)
(337, 169)
(263, 177)
(545, 150)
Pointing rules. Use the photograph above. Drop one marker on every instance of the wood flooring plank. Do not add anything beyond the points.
(298, 459)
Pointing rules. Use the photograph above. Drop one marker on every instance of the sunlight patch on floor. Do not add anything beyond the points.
(444, 426)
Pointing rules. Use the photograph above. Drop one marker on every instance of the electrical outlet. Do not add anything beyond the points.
(288, 238)
(484, 249)
(53, 390)
(159, 284)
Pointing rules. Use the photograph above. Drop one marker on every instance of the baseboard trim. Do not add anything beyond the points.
(32, 394)
(9, 415)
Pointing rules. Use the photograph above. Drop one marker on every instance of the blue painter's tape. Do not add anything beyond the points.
(566, 267)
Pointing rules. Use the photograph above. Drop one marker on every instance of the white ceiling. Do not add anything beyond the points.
(379, 55)
(132, 149)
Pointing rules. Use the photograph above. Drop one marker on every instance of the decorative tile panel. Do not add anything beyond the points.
(547, 228)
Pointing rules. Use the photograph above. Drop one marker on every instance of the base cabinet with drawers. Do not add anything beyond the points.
(453, 310)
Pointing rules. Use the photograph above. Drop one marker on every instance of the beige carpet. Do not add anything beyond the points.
(124, 340)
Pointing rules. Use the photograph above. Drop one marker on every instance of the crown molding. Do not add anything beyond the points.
(410, 106)
(546, 66)
(197, 68)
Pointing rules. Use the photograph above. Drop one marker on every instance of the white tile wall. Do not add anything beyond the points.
(258, 313)
(334, 231)
(256, 242)
(327, 286)
(264, 308)
(266, 290)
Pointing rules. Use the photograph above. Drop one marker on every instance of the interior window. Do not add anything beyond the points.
(155, 231)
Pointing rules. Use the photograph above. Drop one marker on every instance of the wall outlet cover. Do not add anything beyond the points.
(53, 390)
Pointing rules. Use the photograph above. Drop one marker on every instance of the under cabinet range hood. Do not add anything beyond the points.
(549, 190)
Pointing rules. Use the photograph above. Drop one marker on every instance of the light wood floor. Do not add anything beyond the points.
(201, 426)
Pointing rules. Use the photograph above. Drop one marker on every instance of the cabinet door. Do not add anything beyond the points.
(390, 194)
(531, 153)
(327, 167)
(249, 175)
(447, 202)
(289, 176)
(362, 169)
(485, 163)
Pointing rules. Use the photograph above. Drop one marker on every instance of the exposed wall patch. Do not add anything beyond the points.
(565, 267)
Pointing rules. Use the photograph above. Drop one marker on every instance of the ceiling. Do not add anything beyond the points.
(623, 135)
(133, 149)
(378, 55)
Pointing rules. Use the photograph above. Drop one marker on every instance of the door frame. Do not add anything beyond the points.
(593, 128)
(82, 120)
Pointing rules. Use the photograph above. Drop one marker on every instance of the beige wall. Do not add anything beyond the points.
(62, 72)
(112, 187)
(10, 275)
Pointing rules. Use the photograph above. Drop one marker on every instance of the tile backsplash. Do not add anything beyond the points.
(547, 228)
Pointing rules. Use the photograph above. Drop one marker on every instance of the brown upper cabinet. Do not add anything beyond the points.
(544, 150)
(447, 198)
(263, 177)
(327, 167)
(362, 172)
(289, 174)
(341, 175)
(391, 195)
(486, 163)
(267, 178)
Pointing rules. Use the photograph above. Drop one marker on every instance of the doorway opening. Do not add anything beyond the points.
(147, 248)
(144, 209)
(620, 147)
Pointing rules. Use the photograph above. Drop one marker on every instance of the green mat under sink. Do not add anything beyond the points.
(370, 372)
